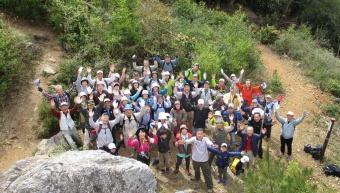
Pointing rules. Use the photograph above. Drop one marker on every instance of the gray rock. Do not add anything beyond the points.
(30, 48)
(79, 171)
(41, 37)
(49, 71)
(55, 144)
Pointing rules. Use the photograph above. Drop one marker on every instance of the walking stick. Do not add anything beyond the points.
(325, 143)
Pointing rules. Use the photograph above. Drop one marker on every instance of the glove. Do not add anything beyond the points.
(279, 98)
(40, 89)
(204, 76)
(222, 71)
(211, 108)
(264, 85)
(134, 58)
(186, 73)
(109, 90)
(78, 100)
(257, 93)
(154, 57)
(242, 71)
(101, 98)
(305, 114)
(168, 98)
(114, 104)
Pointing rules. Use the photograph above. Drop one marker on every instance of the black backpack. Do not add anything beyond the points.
(172, 65)
(331, 169)
(187, 103)
(316, 151)
(307, 148)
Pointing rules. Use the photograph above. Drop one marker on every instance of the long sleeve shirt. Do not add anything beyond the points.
(199, 148)
(143, 146)
(288, 127)
(59, 98)
(167, 66)
(81, 88)
(143, 68)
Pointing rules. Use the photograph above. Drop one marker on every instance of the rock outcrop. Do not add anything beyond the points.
(54, 145)
(78, 171)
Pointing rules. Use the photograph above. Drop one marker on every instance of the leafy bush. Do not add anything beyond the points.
(268, 34)
(275, 85)
(317, 62)
(323, 16)
(276, 176)
(32, 9)
(49, 125)
(333, 110)
(16, 56)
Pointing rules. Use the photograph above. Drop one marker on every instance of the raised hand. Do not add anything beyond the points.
(91, 96)
(109, 89)
(101, 97)
(242, 71)
(134, 58)
(133, 103)
(210, 115)
(79, 70)
(176, 53)
(243, 152)
(264, 85)
(121, 137)
(213, 76)
(214, 146)
(112, 68)
(91, 113)
(124, 70)
(77, 100)
(127, 76)
(186, 73)
(222, 71)
(176, 84)
(89, 69)
(279, 98)
(242, 126)
(52, 102)
(204, 76)
(305, 114)
(154, 131)
(168, 98)
(264, 130)
(114, 104)
(130, 133)
(115, 112)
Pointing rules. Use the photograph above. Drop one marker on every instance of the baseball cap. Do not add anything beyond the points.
(107, 100)
(82, 94)
(232, 75)
(166, 73)
(162, 116)
(290, 113)
(177, 102)
(219, 120)
(254, 101)
(218, 113)
(224, 145)
(221, 80)
(127, 91)
(197, 64)
(124, 98)
(207, 82)
(268, 96)
(201, 101)
(195, 75)
(99, 71)
(64, 103)
(111, 146)
(128, 107)
(90, 102)
(145, 92)
(245, 159)
(100, 82)
(231, 105)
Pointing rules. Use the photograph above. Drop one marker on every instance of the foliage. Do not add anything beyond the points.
(268, 34)
(32, 9)
(323, 16)
(49, 126)
(276, 176)
(15, 57)
(333, 110)
(317, 62)
(275, 85)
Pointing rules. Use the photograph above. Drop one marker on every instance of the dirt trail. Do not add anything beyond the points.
(19, 118)
(300, 96)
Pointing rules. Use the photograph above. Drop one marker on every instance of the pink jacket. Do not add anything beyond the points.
(145, 147)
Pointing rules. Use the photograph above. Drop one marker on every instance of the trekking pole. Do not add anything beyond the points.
(329, 131)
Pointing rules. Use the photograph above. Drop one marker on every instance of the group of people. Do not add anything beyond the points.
(200, 117)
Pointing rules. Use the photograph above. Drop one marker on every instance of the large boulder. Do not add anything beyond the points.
(78, 171)
(54, 145)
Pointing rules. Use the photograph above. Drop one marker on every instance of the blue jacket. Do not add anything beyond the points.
(222, 158)
(253, 141)
(237, 117)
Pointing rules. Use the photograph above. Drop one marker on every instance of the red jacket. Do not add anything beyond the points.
(247, 94)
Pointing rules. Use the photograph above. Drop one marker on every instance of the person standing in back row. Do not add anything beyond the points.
(167, 64)
(287, 130)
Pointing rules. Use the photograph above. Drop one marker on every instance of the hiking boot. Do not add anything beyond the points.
(176, 171)
(218, 180)
(188, 172)
(167, 170)
(225, 182)
(289, 158)
(281, 154)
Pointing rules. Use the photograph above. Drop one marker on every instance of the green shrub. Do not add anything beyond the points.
(268, 34)
(333, 110)
(317, 62)
(49, 126)
(15, 57)
(276, 177)
(275, 84)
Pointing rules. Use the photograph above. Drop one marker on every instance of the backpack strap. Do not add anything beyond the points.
(133, 115)
(100, 128)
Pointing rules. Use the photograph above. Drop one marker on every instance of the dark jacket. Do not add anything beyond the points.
(181, 148)
(200, 116)
(237, 117)
(118, 145)
(253, 143)
(164, 144)
(191, 84)
(85, 112)
(222, 158)
(109, 112)
(258, 125)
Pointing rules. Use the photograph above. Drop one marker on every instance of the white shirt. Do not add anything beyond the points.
(66, 122)
(200, 148)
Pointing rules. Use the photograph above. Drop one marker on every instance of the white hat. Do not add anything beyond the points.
(245, 159)
(221, 80)
(107, 100)
(124, 98)
(154, 85)
(290, 113)
(224, 145)
(145, 92)
(162, 116)
(82, 94)
(219, 120)
(135, 81)
(231, 105)
(100, 82)
(201, 102)
(127, 91)
(111, 146)
(254, 101)
(99, 71)
(218, 113)
(64, 103)
(166, 73)
(232, 75)
(268, 96)
(117, 75)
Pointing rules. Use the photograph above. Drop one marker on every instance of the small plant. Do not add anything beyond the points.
(49, 126)
(333, 86)
(268, 34)
(333, 110)
(275, 84)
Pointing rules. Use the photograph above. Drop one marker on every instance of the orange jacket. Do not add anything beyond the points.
(247, 94)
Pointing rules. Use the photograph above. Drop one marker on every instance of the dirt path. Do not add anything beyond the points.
(300, 96)
(19, 118)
